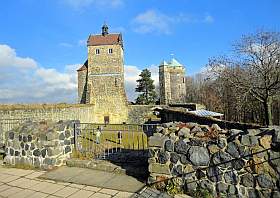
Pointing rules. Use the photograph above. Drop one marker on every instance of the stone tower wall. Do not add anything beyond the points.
(172, 84)
(106, 83)
(82, 86)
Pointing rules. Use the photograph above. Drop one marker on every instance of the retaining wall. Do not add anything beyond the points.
(191, 158)
(42, 144)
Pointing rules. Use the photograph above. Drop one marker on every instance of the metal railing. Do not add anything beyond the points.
(101, 141)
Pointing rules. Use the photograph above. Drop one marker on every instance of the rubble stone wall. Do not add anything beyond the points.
(226, 163)
(44, 144)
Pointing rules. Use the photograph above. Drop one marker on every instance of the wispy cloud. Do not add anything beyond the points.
(154, 21)
(78, 4)
(65, 44)
(208, 19)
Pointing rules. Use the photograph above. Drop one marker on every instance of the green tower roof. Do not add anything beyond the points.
(175, 63)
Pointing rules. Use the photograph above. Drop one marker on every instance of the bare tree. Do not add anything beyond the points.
(255, 70)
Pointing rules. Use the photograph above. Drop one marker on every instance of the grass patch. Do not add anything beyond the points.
(132, 138)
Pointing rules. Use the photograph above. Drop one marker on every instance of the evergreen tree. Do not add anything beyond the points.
(145, 85)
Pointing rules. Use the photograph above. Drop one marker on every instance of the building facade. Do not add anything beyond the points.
(172, 83)
(101, 78)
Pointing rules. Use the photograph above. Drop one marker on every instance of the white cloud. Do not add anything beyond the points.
(9, 58)
(39, 84)
(36, 84)
(78, 4)
(153, 21)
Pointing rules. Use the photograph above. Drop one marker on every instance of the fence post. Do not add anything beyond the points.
(75, 136)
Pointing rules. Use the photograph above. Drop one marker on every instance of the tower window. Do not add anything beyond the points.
(183, 80)
(97, 51)
(110, 51)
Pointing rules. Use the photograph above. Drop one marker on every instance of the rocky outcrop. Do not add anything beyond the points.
(232, 163)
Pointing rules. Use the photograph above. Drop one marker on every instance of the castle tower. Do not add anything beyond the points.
(101, 79)
(172, 82)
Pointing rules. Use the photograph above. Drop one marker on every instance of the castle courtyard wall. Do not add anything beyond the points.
(55, 112)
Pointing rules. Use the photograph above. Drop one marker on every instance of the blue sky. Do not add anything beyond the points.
(43, 42)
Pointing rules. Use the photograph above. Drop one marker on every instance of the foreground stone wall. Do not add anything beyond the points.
(56, 112)
(190, 158)
(42, 144)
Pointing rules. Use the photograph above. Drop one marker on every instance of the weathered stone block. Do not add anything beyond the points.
(159, 168)
(61, 136)
(221, 187)
(184, 160)
(67, 149)
(169, 145)
(249, 140)
(231, 177)
(155, 141)
(174, 157)
(232, 149)
(184, 132)
(37, 152)
(163, 157)
(199, 156)
(181, 147)
(265, 181)
(214, 174)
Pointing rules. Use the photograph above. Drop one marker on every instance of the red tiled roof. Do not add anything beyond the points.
(108, 39)
(84, 67)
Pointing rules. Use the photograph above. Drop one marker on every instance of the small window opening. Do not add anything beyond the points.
(110, 51)
(97, 51)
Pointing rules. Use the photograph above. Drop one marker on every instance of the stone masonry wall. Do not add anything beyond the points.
(139, 114)
(190, 158)
(56, 112)
(42, 144)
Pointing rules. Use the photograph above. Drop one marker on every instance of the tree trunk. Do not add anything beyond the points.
(267, 111)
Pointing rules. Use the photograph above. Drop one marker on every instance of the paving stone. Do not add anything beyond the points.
(65, 192)
(23, 183)
(10, 191)
(108, 191)
(4, 187)
(92, 188)
(35, 175)
(3, 176)
(81, 194)
(9, 179)
(79, 186)
(22, 194)
(100, 195)
(47, 187)
(38, 195)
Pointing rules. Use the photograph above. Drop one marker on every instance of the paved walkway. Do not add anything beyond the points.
(97, 178)
(19, 183)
